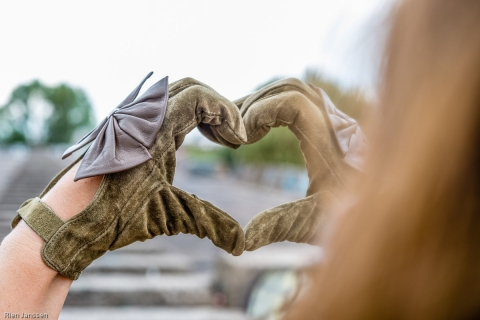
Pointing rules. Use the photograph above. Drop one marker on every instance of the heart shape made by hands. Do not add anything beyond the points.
(333, 146)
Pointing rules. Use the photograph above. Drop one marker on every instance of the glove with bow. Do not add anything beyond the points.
(332, 145)
(134, 148)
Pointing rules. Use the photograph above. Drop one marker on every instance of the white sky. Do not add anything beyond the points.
(107, 47)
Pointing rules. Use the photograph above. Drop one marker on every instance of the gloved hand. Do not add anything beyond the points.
(332, 145)
(141, 203)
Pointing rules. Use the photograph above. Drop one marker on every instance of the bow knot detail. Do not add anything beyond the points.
(121, 141)
(112, 112)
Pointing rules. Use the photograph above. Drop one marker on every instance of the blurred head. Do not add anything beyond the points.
(409, 248)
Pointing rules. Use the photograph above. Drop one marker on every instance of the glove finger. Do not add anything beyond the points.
(189, 214)
(300, 221)
(212, 136)
(288, 102)
(294, 104)
(192, 103)
(239, 102)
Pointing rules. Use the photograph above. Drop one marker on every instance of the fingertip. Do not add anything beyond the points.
(243, 134)
(237, 252)
(251, 247)
(239, 243)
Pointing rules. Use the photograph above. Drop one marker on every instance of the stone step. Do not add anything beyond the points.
(28, 173)
(150, 246)
(4, 225)
(14, 201)
(4, 230)
(141, 290)
(31, 187)
(11, 161)
(140, 263)
(5, 218)
(8, 207)
(152, 313)
(250, 265)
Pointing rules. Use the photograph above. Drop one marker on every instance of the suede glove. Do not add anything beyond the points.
(332, 145)
(141, 203)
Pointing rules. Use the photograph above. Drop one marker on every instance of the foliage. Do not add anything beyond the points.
(36, 114)
(278, 146)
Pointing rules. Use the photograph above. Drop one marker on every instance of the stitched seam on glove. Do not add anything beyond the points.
(180, 89)
(171, 142)
(272, 122)
(112, 222)
(323, 157)
(161, 183)
(283, 213)
(296, 88)
(223, 121)
(301, 228)
(225, 214)
(73, 221)
(268, 124)
(210, 114)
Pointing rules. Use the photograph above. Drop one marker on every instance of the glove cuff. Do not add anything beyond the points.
(38, 216)
(41, 219)
(70, 246)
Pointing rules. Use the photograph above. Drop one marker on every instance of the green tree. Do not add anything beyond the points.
(36, 114)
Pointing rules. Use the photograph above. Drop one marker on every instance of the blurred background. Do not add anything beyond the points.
(65, 65)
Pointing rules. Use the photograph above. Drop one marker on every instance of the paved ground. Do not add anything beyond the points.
(152, 313)
(163, 278)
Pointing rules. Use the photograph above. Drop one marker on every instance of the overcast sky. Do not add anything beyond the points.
(107, 47)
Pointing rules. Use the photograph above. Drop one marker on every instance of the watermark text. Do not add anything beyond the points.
(24, 315)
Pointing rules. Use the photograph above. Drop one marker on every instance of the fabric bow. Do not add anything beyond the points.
(350, 138)
(121, 141)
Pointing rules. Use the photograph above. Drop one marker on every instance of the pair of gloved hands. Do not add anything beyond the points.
(134, 148)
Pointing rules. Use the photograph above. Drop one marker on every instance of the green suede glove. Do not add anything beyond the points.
(332, 145)
(141, 203)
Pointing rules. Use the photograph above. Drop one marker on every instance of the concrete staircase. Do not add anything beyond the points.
(163, 278)
(143, 274)
(175, 278)
(25, 173)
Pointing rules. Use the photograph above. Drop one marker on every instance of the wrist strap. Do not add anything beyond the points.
(40, 218)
